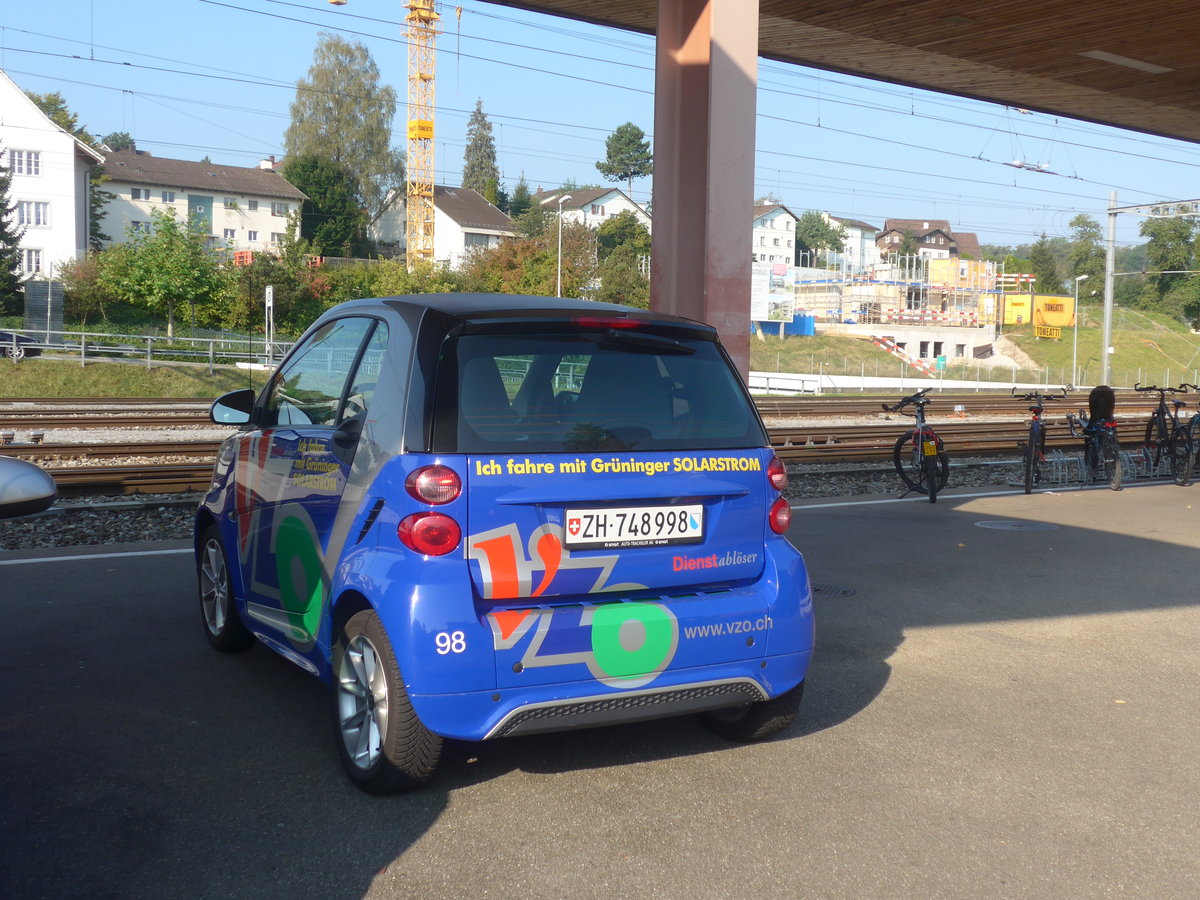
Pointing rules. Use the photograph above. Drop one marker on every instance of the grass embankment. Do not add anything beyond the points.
(54, 378)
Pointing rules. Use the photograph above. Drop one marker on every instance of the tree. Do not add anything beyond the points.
(622, 230)
(908, 243)
(118, 141)
(54, 105)
(621, 278)
(171, 264)
(1085, 254)
(479, 158)
(1045, 267)
(1171, 248)
(521, 200)
(816, 236)
(627, 155)
(332, 218)
(530, 265)
(10, 247)
(342, 113)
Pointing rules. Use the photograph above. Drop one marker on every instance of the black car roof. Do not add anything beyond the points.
(512, 306)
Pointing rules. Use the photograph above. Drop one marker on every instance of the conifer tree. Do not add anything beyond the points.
(628, 155)
(10, 251)
(479, 159)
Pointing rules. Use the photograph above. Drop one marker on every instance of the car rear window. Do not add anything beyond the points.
(581, 392)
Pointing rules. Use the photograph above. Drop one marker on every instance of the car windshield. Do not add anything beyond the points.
(581, 392)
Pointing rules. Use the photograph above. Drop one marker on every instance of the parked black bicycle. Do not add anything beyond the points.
(919, 456)
(1101, 449)
(1035, 445)
(1188, 446)
(1166, 436)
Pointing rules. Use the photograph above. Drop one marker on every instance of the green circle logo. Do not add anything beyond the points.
(298, 567)
(633, 640)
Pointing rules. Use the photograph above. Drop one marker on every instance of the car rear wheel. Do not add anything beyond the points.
(14, 352)
(221, 621)
(383, 745)
(755, 721)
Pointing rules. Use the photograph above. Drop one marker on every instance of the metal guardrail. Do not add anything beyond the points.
(212, 350)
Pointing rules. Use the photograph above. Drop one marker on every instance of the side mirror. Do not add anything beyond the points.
(233, 408)
(24, 488)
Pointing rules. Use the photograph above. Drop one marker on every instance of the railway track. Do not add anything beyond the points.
(163, 467)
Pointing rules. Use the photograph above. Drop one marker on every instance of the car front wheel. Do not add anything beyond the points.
(383, 745)
(221, 621)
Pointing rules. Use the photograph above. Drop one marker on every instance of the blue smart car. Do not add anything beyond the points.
(477, 516)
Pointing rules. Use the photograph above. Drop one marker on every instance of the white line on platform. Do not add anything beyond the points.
(131, 553)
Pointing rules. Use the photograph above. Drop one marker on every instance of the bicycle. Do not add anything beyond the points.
(919, 457)
(1101, 450)
(1035, 446)
(1165, 435)
(1190, 445)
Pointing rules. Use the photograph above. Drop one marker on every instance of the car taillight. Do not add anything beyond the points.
(429, 533)
(777, 473)
(606, 322)
(780, 516)
(434, 485)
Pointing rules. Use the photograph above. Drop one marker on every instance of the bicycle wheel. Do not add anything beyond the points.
(1033, 456)
(1181, 453)
(910, 465)
(932, 476)
(1110, 458)
(1153, 445)
(1194, 444)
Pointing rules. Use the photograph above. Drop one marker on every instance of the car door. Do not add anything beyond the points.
(313, 412)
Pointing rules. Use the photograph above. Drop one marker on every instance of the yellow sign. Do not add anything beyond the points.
(1047, 331)
(420, 129)
(1039, 309)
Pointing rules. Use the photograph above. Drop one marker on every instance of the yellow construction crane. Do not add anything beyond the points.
(422, 61)
(422, 22)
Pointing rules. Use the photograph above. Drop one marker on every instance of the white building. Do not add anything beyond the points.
(859, 252)
(50, 170)
(774, 238)
(246, 209)
(591, 206)
(463, 223)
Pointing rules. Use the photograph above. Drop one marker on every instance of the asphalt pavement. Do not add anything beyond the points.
(1002, 704)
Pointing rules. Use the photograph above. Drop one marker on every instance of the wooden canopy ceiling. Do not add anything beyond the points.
(1134, 66)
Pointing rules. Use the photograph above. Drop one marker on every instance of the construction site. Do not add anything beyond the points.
(925, 311)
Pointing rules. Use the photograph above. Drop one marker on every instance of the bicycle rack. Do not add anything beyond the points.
(1058, 467)
(1136, 464)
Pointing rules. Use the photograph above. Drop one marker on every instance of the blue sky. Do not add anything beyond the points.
(189, 78)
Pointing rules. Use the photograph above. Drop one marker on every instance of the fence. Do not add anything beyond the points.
(93, 346)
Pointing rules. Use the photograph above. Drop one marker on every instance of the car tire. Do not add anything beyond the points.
(218, 609)
(383, 746)
(756, 721)
(16, 354)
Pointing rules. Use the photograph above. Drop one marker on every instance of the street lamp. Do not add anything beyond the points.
(558, 287)
(1075, 335)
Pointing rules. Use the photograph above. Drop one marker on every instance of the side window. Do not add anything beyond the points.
(362, 385)
(308, 389)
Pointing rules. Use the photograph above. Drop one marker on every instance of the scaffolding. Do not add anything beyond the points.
(903, 290)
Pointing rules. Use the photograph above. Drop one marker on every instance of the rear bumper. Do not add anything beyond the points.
(483, 715)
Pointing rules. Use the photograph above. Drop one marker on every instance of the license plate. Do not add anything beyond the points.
(930, 448)
(635, 526)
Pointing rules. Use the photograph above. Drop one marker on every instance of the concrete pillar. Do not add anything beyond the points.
(704, 119)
